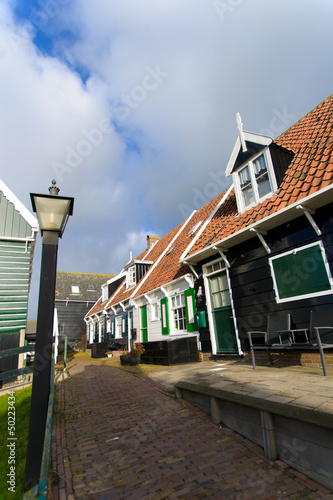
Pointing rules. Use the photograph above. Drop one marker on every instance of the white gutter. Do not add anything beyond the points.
(256, 225)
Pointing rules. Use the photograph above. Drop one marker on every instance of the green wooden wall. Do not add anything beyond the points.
(12, 224)
(14, 284)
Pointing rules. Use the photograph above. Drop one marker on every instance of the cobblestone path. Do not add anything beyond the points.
(118, 436)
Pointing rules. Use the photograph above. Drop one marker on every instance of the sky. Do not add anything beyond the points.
(131, 106)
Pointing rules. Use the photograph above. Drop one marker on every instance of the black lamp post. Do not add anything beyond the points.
(52, 213)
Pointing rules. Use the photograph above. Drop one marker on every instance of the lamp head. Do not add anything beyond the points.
(52, 210)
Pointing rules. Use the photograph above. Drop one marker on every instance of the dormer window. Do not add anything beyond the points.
(131, 276)
(104, 293)
(255, 181)
(135, 270)
(257, 166)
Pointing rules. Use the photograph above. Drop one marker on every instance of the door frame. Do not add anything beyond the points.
(223, 268)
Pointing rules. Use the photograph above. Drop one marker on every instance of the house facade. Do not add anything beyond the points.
(262, 247)
(18, 230)
(153, 297)
(75, 295)
(270, 251)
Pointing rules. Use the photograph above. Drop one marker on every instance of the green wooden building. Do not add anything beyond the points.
(18, 230)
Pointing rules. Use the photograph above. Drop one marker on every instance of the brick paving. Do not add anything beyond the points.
(118, 436)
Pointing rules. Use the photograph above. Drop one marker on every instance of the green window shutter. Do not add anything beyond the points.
(113, 328)
(165, 316)
(301, 273)
(190, 309)
(311, 268)
(124, 326)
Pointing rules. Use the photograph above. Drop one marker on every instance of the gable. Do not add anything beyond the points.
(15, 219)
(254, 144)
(305, 155)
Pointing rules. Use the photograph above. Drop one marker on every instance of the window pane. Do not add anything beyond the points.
(301, 273)
(246, 186)
(215, 285)
(223, 282)
(180, 320)
(217, 300)
(226, 298)
(261, 175)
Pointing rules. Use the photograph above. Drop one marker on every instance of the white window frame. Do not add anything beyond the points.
(75, 289)
(154, 311)
(131, 276)
(307, 295)
(206, 275)
(104, 293)
(174, 306)
(221, 267)
(119, 326)
(271, 176)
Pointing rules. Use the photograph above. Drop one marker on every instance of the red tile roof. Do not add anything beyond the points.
(169, 268)
(311, 140)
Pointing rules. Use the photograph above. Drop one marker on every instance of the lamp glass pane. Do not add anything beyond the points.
(52, 213)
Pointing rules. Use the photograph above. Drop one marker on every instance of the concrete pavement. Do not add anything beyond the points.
(119, 436)
(296, 385)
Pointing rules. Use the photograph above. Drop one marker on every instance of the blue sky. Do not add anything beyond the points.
(131, 106)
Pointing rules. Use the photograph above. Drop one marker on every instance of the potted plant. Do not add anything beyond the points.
(124, 357)
(135, 354)
(109, 354)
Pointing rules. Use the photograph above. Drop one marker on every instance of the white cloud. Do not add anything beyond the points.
(169, 135)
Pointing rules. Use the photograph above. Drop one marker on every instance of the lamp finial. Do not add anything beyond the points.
(54, 189)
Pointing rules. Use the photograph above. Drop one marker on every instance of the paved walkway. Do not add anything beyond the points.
(300, 386)
(118, 436)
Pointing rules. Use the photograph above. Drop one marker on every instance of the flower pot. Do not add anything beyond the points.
(134, 360)
(124, 360)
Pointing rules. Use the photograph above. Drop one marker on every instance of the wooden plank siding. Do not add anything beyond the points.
(14, 284)
(251, 278)
(71, 321)
(12, 224)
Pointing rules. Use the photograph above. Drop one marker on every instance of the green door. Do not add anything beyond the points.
(224, 328)
(143, 324)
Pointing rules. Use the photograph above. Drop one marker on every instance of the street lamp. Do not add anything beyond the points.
(52, 212)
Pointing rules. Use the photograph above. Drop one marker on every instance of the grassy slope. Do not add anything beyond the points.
(22, 415)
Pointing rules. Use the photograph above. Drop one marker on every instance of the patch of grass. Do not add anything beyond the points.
(141, 368)
(22, 415)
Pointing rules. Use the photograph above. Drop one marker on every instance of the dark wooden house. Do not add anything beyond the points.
(262, 247)
(76, 293)
(268, 249)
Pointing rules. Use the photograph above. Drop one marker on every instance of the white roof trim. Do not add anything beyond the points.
(30, 219)
(150, 270)
(256, 225)
(187, 277)
(249, 137)
(203, 227)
